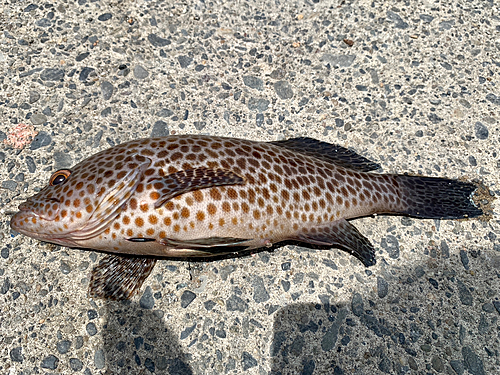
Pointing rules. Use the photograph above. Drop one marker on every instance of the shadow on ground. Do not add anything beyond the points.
(138, 341)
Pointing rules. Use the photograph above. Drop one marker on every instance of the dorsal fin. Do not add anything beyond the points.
(335, 154)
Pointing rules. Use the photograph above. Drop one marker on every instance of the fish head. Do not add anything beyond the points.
(79, 203)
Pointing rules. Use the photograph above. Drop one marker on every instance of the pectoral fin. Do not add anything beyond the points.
(119, 277)
(343, 234)
(193, 179)
(210, 245)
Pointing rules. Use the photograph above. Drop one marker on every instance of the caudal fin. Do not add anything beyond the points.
(437, 198)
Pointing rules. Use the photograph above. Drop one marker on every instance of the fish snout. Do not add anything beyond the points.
(46, 210)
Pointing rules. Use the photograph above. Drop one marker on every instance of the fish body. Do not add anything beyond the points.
(199, 196)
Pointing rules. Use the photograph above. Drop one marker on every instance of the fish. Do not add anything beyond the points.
(197, 196)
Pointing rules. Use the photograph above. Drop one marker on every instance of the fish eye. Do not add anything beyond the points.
(59, 177)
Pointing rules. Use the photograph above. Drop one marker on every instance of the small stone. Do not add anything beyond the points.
(260, 293)
(105, 17)
(164, 112)
(99, 359)
(38, 119)
(62, 160)
(397, 20)
(329, 263)
(16, 354)
(186, 298)
(437, 364)
(187, 331)
(184, 61)
(426, 18)
(391, 245)
(235, 303)
(5, 254)
(464, 293)
(82, 56)
(65, 268)
(457, 366)
(465, 259)
(158, 41)
(259, 119)
(357, 304)
(140, 72)
(481, 130)
(382, 287)
(253, 82)
(160, 129)
(63, 346)
(286, 266)
(10, 185)
(84, 74)
(50, 362)
(497, 305)
(199, 125)
(91, 329)
(147, 301)
(472, 362)
(52, 74)
(258, 104)
(283, 90)
(488, 307)
(247, 361)
(385, 365)
(341, 61)
(209, 305)
(92, 314)
(106, 90)
(75, 364)
(493, 99)
(34, 97)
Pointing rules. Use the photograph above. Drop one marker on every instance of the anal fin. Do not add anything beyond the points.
(119, 277)
(343, 234)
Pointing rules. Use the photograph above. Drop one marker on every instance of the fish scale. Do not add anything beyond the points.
(199, 196)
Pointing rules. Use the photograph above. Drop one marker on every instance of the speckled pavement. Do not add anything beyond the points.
(413, 86)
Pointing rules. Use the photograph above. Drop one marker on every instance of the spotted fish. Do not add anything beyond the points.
(195, 196)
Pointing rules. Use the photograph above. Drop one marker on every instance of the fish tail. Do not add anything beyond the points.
(437, 198)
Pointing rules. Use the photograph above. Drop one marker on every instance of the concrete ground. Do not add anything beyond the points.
(412, 85)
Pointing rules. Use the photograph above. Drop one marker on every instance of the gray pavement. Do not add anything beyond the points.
(412, 85)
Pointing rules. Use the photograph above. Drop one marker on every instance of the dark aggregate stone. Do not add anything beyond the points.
(30, 163)
(157, 41)
(446, 25)
(464, 293)
(186, 298)
(481, 130)
(42, 139)
(472, 362)
(437, 364)
(5, 286)
(209, 305)
(286, 266)
(341, 61)
(187, 331)
(91, 329)
(149, 364)
(385, 365)
(493, 99)
(382, 287)
(164, 112)
(457, 366)
(330, 338)
(283, 90)
(160, 129)
(34, 97)
(253, 82)
(10, 185)
(184, 61)
(16, 354)
(286, 285)
(259, 119)
(82, 56)
(43, 22)
(434, 283)
(63, 346)
(84, 74)
(397, 20)
(62, 160)
(50, 362)
(464, 258)
(99, 359)
(488, 307)
(140, 72)
(30, 7)
(147, 301)
(105, 17)
(309, 366)
(106, 90)
(5, 254)
(391, 245)
(65, 268)
(327, 262)
(52, 74)
(260, 293)
(258, 104)
(247, 361)
(426, 18)
(38, 119)
(75, 364)
(445, 249)
(497, 305)
(199, 125)
(235, 303)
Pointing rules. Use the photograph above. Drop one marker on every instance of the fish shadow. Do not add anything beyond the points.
(137, 341)
(305, 339)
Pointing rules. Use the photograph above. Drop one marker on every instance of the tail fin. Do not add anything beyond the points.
(437, 198)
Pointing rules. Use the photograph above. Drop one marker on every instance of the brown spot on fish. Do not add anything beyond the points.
(211, 209)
